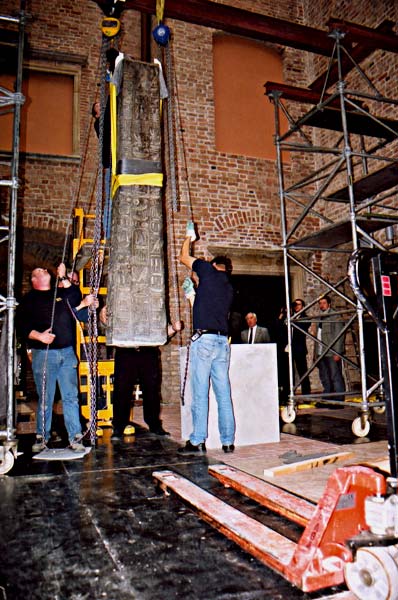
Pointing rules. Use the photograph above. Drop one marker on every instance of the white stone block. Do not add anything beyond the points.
(254, 386)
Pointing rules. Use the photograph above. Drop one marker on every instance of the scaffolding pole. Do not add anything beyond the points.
(8, 304)
(347, 183)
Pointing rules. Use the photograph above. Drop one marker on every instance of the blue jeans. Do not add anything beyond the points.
(62, 368)
(209, 360)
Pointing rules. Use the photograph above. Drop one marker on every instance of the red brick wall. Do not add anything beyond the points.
(234, 199)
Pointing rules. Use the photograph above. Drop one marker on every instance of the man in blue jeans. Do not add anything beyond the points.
(209, 350)
(48, 324)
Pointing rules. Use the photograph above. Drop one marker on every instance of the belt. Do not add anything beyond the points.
(215, 331)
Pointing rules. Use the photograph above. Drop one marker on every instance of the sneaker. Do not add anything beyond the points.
(190, 448)
(39, 444)
(76, 444)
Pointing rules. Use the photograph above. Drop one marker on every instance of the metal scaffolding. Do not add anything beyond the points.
(337, 181)
(11, 100)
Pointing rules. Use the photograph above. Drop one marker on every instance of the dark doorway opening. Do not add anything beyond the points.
(262, 294)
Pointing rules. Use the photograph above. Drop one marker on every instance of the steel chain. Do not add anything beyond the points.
(96, 254)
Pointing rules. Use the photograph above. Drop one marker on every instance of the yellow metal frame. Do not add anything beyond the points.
(106, 370)
(105, 367)
(80, 241)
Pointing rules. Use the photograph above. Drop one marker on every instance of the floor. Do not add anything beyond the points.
(99, 527)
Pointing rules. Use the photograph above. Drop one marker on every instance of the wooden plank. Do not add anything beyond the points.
(279, 501)
(383, 464)
(25, 409)
(329, 117)
(310, 463)
(260, 541)
(341, 596)
(26, 427)
(339, 233)
(369, 185)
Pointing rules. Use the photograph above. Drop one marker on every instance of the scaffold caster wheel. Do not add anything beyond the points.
(374, 574)
(7, 462)
(379, 410)
(360, 428)
(288, 414)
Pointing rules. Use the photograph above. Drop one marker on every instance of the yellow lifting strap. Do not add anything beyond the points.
(155, 179)
(159, 10)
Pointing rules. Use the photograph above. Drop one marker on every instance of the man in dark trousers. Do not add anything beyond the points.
(131, 364)
(329, 327)
(299, 346)
(210, 350)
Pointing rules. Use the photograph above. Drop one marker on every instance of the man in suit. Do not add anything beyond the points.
(254, 334)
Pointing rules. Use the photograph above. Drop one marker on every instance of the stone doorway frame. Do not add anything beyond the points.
(269, 262)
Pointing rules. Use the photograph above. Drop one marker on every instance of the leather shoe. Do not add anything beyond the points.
(229, 448)
(158, 430)
(192, 448)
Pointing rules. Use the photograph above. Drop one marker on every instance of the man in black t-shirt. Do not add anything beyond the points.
(210, 350)
(48, 325)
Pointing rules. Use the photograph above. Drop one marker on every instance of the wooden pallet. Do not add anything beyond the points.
(307, 463)
(26, 417)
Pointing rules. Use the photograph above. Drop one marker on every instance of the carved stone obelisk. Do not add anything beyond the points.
(136, 278)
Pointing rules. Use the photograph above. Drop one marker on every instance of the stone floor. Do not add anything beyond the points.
(98, 527)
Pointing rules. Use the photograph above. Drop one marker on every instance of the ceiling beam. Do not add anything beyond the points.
(298, 94)
(366, 36)
(358, 54)
(236, 21)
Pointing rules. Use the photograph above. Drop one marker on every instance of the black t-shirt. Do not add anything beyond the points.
(213, 298)
(35, 312)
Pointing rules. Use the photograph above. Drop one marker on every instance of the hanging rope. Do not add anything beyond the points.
(75, 195)
(181, 153)
(171, 196)
(170, 131)
(177, 155)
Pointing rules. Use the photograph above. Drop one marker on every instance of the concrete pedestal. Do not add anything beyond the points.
(254, 384)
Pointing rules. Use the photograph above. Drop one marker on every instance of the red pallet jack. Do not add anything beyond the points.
(351, 535)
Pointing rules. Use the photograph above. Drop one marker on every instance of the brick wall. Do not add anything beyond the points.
(234, 199)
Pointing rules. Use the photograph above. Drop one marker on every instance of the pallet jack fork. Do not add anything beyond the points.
(318, 559)
(351, 535)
